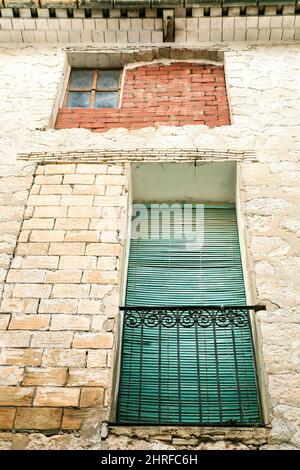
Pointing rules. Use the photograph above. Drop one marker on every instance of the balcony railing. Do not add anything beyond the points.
(188, 365)
(188, 317)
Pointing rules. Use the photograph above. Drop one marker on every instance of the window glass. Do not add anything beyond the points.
(78, 99)
(81, 79)
(106, 99)
(108, 79)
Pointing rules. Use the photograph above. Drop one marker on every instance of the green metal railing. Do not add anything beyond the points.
(188, 365)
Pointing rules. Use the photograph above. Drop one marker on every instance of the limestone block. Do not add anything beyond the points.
(75, 223)
(50, 211)
(15, 339)
(292, 224)
(267, 205)
(260, 223)
(83, 189)
(20, 356)
(65, 305)
(77, 200)
(96, 358)
(285, 389)
(90, 306)
(40, 262)
(268, 246)
(100, 277)
(80, 262)
(16, 396)
(69, 248)
(71, 291)
(72, 419)
(26, 275)
(63, 277)
(11, 375)
(45, 376)
(93, 340)
(70, 322)
(85, 168)
(103, 249)
(82, 236)
(40, 291)
(88, 377)
(281, 347)
(19, 305)
(64, 357)
(59, 169)
(7, 416)
(31, 249)
(29, 322)
(92, 397)
(4, 321)
(38, 418)
(36, 223)
(56, 396)
(51, 339)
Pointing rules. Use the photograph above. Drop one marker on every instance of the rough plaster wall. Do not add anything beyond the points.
(264, 94)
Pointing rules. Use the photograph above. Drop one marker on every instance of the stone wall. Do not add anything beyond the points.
(263, 90)
(60, 300)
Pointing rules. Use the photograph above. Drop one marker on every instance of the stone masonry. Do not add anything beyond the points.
(60, 286)
(60, 301)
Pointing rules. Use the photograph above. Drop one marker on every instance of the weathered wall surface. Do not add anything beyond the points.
(61, 291)
(264, 94)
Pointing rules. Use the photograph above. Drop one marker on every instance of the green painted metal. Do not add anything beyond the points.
(188, 375)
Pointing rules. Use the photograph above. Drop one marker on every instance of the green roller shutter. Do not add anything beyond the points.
(188, 375)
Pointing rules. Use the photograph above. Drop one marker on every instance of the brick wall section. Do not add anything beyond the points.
(61, 299)
(173, 95)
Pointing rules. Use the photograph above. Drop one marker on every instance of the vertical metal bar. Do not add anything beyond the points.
(141, 371)
(121, 368)
(255, 371)
(159, 368)
(178, 371)
(237, 373)
(217, 371)
(198, 373)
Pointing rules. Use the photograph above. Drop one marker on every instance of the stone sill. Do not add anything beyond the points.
(192, 435)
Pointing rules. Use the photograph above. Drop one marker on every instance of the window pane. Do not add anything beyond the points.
(78, 99)
(108, 79)
(81, 79)
(106, 99)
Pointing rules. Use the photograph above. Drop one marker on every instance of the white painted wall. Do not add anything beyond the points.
(204, 182)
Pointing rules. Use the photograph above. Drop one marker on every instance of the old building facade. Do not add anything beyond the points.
(200, 104)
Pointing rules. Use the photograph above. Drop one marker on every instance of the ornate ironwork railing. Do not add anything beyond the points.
(188, 365)
(188, 316)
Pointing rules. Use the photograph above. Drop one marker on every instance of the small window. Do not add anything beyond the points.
(93, 88)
